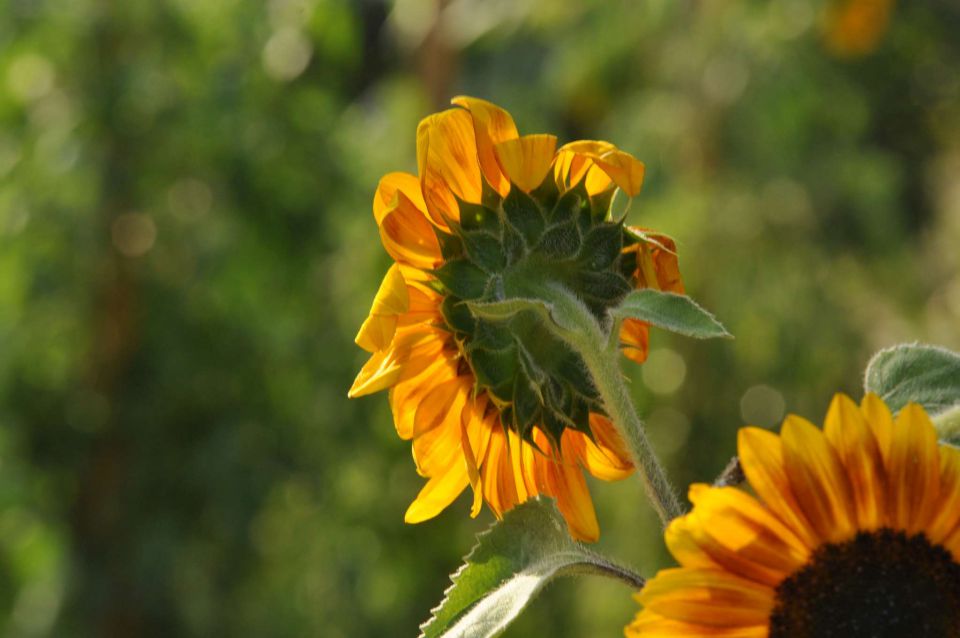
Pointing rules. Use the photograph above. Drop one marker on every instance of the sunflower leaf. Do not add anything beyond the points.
(670, 311)
(919, 373)
(512, 561)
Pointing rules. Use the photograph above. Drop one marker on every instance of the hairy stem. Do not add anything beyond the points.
(578, 327)
(948, 424)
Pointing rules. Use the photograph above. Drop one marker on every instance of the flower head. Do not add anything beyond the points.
(502, 405)
(855, 532)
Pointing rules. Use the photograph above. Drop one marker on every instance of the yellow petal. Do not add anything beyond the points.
(818, 480)
(406, 396)
(412, 350)
(565, 482)
(527, 160)
(709, 597)
(729, 529)
(761, 456)
(947, 517)
(492, 125)
(878, 416)
(851, 437)
(914, 470)
(390, 185)
(437, 404)
(621, 167)
(449, 168)
(437, 494)
(635, 340)
(497, 473)
(424, 305)
(647, 624)
(408, 236)
(474, 437)
(605, 456)
(378, 329)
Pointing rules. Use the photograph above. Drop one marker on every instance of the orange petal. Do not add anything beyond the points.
(406, 396)
(851, 437)
(565, 482)
(947, 517)
(408, 236)
(441, 446)
(621, 167)
(878, 416)
(635, 340)
(437, 494)
(914, 470)
(474, 437)
(392, 184)
(437, 404)
(497, 474)
(424, 305)
(707, 596)
(730, 529)
(818, 480)
(761, 456)
(650, 625)
(378, 329)
(412, 350)
(605, 456)
(492, 125)
(527, 160)
(449, 168)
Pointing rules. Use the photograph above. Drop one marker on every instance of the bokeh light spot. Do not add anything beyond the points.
(286, 54)
(134, 234)
(30, 77)
(762, 405)
(664, 371)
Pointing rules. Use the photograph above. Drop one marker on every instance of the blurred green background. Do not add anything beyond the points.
(187, 249)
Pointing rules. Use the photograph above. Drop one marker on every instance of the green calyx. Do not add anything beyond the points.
(503, 249)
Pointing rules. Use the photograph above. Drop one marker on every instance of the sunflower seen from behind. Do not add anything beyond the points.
(854, 533)
(503, 406)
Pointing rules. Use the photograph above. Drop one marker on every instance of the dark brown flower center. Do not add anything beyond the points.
(881, 584)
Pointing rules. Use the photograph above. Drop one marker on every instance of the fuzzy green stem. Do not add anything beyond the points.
(578, 327)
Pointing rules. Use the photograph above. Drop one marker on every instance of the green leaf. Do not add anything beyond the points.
(511, 563)
(916, 373)
(670, 311)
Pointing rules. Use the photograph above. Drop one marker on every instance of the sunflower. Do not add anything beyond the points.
(503, 406)
(855, 533)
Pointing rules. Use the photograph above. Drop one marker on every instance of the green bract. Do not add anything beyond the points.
(501, 250)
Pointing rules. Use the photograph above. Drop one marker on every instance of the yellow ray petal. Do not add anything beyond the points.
(650, 625)
(565, 482)
(947, 517)
(635, 340)
(605, 456)
(424, 305)
(729, 529)
(474, 437)
(878, 416)
(438, 403)
(390, 185)
(492, 125)
(914, 470)
(709, 597)
(437, 494)
(448, 164)
(817, 479)
(378, 329)
(412, 350)
(408, 236)
(851, 437)
(527, 160)
(405, 397)
(497, 473)
(761, 456)
(626, 171)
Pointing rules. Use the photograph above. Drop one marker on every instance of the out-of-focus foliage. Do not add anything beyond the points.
(186, 250)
